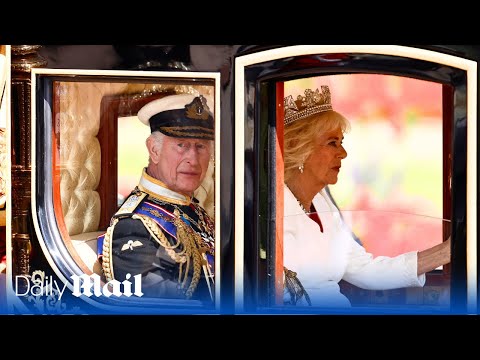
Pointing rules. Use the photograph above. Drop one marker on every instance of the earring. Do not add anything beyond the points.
(301, 167)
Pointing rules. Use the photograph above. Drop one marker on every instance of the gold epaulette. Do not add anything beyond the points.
(130, 205)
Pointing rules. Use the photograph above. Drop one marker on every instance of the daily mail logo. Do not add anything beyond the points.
(83, 285)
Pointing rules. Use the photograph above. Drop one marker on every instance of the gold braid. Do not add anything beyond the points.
(187, 236)
(184, 237)
(159, 236)
(107, 245)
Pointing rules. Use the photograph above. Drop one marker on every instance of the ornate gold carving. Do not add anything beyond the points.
(46, 299)
(24, 58)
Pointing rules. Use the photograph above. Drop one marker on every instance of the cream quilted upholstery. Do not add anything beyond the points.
(80, 165)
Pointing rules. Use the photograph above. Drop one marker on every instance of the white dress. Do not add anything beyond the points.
(322, 259)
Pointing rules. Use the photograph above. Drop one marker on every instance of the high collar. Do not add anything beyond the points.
(159, 190)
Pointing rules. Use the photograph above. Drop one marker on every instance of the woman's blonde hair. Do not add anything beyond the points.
(300, 135)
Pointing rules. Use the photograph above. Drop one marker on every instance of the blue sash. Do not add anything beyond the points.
(151, 210)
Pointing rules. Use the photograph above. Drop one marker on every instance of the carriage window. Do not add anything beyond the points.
(128, 165)
(393, 185)
(96, 162)
(394, 167)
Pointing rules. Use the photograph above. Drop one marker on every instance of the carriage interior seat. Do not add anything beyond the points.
(80, 171)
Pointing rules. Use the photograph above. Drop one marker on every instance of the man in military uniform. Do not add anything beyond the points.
(161, 231)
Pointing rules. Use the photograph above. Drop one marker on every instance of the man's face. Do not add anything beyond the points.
(183, 163)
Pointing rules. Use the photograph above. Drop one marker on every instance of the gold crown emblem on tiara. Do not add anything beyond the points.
(312, 103)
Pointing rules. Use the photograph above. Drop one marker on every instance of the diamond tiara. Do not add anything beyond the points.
(312, 103)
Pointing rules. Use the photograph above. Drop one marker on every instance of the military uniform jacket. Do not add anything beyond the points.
(165, 236)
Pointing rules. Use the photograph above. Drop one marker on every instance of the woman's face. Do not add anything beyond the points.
(323, 165)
